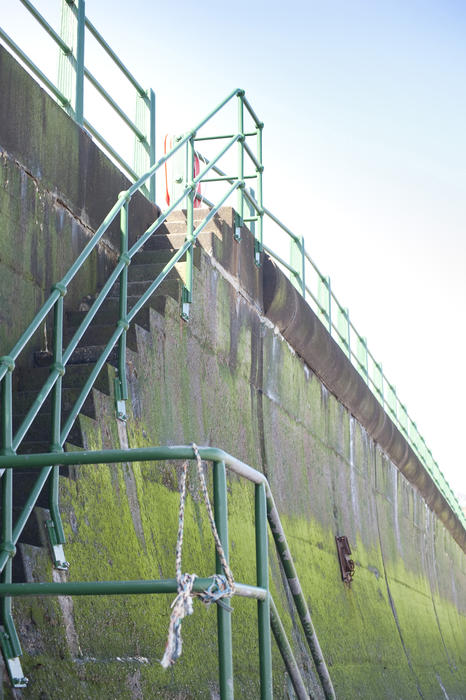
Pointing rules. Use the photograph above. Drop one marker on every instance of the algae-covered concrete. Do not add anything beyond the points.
(229, 378)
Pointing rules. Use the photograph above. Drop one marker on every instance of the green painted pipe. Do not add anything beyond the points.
(119, 588)
(263, 606)
(224, 634)
(287, 653)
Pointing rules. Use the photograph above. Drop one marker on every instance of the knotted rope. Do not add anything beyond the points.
(221, 586)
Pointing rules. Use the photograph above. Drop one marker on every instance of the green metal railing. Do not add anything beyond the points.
(265, 510)
(73, 73)
(52, 313)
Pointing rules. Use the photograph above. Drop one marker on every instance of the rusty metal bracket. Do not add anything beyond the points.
(344, 553)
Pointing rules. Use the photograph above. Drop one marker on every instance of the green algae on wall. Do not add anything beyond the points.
(397, 631)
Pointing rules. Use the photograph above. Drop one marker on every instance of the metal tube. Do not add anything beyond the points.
(152, 154)
(56, 419)
(302, 609)
(187, 291)
(135, 454)
(109, 99)
(210, 165)
(124, 219)
(252, 112)
(263, 606)
(287, 653)
(260, 198)
(240, 200)
(79, 104)
(113, 587)
(251, 155)
(89, 384)
(43, 22)
(225, 653)
(7, 514)
(96, 34)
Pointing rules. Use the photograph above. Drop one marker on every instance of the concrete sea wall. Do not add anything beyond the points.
(230, 378)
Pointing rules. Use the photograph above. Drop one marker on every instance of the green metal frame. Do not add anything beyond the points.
(265, 512)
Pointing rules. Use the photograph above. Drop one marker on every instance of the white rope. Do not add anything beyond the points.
(221, 586)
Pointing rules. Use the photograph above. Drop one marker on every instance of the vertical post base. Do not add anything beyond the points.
(12, 663)
(238, 225)
(186, 298)
(58, 554)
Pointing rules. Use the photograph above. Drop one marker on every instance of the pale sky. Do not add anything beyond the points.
(364, 106)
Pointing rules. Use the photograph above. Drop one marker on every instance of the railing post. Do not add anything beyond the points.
(263, 606)
(225, 654)
(80, 62)
(54, 525)
(152, 153)
(259, 238)
(297, 262)
(9, 641)
(240, 198)
(187, 292)
(71, 65)
(144, 149)
(121, 386)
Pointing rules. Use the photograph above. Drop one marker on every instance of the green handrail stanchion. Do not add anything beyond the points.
(263, 606)
(54, 525)
(142, 141)
(152, 152)
(121, 388)
(79, 100)
(259, 238)
(225, 651)
(187, 292)
(297, 263)
(9, 641)
(361, 356)
(71, 64)
(239, 215)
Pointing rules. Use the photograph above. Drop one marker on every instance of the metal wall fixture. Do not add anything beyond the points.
(344, 553)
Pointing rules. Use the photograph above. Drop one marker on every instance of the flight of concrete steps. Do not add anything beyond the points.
(144, 268)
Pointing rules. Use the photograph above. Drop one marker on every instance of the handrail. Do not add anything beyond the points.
(72, 69)
(182, 452)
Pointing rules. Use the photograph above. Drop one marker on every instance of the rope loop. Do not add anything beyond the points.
(221, 587)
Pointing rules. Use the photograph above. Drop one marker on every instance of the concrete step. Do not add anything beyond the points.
(162, 255)
(33, 379)
(24, 399)
(175, 240)
(40, 430)
(110, 309)
(99, 335)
